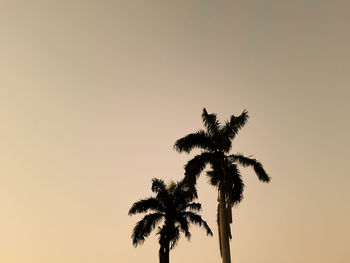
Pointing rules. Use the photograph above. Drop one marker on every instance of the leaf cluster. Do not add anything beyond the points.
(215, 142)
(173, 205)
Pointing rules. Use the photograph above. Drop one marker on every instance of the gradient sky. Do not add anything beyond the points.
(93, 94)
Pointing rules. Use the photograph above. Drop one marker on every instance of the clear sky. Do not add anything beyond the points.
(93, 94)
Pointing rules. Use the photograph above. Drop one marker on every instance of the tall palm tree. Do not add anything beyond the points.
(215, 141)
(173, 205)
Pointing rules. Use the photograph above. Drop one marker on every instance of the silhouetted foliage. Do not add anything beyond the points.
(215, 141)
(173, 206)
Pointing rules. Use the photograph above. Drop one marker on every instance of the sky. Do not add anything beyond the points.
(93, 95)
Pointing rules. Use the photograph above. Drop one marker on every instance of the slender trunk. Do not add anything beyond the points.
(166, 256)
(164, 253)
(223, 228)
(161, 254)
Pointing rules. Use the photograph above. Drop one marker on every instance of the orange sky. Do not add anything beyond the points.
(93, 94)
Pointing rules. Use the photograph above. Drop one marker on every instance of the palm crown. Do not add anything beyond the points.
(173, 205)
(215, 142)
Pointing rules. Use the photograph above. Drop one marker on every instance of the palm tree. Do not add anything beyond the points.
(173, 205)
(216, 142)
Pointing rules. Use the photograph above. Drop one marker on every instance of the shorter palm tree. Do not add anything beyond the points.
(173, 206)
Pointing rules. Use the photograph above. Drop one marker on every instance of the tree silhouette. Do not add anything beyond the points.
(173, 206)
(216, 142)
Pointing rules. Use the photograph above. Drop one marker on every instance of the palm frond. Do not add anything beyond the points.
(195, 166)
(197, 220)
(214, 177)
(169, 234)
(236, 185)
(158, 185)
(257, 166)
(182, 195)
(231, 127)
(144, 227)
(184, 226)
(142, 206)
(199, 139)
(174, 237)
(194, 207)
(210, 122)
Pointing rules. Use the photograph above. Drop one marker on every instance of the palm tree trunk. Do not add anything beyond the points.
(223, 229)
(166, 256)
(164, 253)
